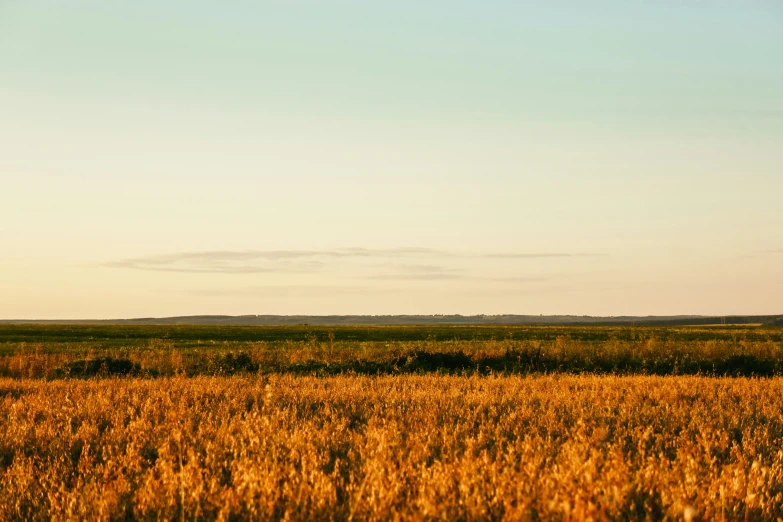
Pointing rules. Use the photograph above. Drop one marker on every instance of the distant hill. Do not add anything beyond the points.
(674, 320)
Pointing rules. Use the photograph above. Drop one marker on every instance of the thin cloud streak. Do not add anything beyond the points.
(203, 270)
(521, 279)
(529, 255)
(435, 276)
(298, 261)
(293, 290)
(417, 277)
(217, 263)
(398, 272)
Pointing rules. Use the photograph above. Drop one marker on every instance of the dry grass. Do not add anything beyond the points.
(397, 447)
(652, 354)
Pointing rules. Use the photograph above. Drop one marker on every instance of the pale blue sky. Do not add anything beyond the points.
(606, 158)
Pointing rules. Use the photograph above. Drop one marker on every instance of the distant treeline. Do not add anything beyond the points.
(565, 320)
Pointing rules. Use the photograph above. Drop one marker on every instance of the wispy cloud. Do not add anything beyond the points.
(759, 254)
(221, 262)
(308, 291)
(420, 272)
(533, 255)
(521, 279)
(434, 276)
(297, 261)
(193, 270)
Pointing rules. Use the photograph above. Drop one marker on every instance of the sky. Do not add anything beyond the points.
(390, 157)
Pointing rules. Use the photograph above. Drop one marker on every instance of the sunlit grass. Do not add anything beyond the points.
(653, 352)
(377, 448)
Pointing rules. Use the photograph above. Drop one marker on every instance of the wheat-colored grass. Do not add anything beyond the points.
(650, 354)
(402, 447)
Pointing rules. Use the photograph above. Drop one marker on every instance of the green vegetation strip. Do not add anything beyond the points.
(55, 351)
(121, 335)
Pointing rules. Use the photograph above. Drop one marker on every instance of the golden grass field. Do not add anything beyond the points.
(406, 447)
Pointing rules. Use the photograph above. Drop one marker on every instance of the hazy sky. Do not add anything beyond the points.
(383, 157)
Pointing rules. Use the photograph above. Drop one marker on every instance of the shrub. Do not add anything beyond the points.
(101, 367)
(232, 363)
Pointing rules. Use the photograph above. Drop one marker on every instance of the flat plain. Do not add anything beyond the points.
(378, 423)
(40, 351)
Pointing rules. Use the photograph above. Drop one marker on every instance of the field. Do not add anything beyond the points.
(37, 351)
(390, 423)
